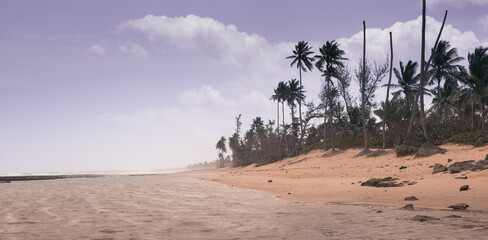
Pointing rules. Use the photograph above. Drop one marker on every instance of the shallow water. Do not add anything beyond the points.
(182, 207)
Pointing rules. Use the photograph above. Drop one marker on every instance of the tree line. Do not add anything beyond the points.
(457, 112)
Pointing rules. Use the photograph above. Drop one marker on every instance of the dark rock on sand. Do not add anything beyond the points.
(402, 167)
(470, 165)
(464, 188)
(382, 182)
(270, 181)
(407, 207)
(449, 160)
(412, 183)
(463, 177)
(423, 218)
(454, 216)
(411, 198)
(459, 206)
(439, 168)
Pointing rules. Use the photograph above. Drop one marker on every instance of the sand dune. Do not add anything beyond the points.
(325, 177)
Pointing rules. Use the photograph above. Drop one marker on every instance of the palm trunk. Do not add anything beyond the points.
(325, 127)
(330, 115)
(387, 93)
(300, 112)
(482, 115)
(294, 131)
(472, 113)
(439, 111)
(363, 92)
(410, 126)
(278, 118)
(422, 76)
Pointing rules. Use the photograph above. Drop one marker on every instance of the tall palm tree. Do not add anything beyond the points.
(331, 57)
(444, 66)
(478, 80)
(295, 94)
(301, 57)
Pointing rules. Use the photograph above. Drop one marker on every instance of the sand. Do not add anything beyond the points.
(183, 207)
(324, 177)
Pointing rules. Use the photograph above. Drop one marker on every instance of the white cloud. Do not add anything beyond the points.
(206, 96)
(134, 49)
(457, 3)
(97, 49)
(210, 37)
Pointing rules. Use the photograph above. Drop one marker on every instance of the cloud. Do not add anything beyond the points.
(206, 96)
(457, 3)
(134, 49)
(97, 49)
(212, 38)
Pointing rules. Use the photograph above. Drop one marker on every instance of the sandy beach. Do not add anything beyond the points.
(324, 177)
(184, 207)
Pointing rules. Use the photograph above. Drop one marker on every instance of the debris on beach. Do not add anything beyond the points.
(464, 188)
(459, 206)
(439, 168)
(470, 165)
(382, 182)
(411, 198)
(270, 181)
(423, 218)
(407, 207)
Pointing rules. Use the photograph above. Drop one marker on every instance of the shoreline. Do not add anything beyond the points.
(336, 178)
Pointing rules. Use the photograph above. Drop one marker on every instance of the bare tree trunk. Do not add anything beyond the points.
(387, 93)
(363, 92)
(422, 76)
(412, 119)
(302, 133)
(330, 115)
(325, 127)
(278, 118)
(472, 113)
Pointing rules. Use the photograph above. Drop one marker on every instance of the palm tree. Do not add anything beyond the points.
(303, 62)
(444, 66)
(406, 81)
(222, 149)
(331, 56)
(278, 96)
(295, 94)
(478, 80)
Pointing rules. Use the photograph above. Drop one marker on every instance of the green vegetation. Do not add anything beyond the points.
(457, 113)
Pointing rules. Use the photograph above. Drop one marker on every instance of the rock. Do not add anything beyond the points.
(462, 166)
(379, 211)
(463, 177)
(431, 166)
(423, 218)
(439, 168)
(289, 193)
(407, 207)
(353, 183)
(459, 206)
(411, 198)
(464, 188)
(382, 182)
(270, 181)
(454, 216)
(412, 183)
(449, 160)
(454, 171)
(402, 167)
(486, 157)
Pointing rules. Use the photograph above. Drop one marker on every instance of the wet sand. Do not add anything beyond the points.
(183, 207)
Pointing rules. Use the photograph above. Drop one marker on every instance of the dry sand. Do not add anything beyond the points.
(324, 177)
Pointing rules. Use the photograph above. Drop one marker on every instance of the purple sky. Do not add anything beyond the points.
(140, 85)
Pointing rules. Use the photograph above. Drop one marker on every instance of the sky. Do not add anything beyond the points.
(143, 85)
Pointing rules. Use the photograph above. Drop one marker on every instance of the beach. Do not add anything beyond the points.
(181, 206)
(321, 176)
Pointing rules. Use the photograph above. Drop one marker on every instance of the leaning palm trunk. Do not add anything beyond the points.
(302, 133)
(385, 116)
